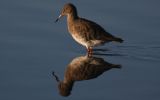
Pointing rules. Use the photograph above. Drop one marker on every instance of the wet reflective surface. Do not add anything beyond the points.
(32, 46)
(82, 68)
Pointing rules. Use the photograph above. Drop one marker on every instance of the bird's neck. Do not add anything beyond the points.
(72, 17)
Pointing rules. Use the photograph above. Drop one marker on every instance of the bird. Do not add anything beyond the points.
(84, 31)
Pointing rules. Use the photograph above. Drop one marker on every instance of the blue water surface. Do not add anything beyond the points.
(32, 46)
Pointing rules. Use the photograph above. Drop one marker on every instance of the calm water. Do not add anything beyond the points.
(32, 46)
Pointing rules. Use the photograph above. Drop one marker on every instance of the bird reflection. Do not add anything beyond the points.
(82, 68)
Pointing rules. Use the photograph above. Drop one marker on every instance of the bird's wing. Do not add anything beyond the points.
(91, 31)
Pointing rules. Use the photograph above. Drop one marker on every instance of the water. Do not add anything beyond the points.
(32, 46)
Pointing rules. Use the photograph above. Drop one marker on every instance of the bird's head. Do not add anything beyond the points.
(68, 9)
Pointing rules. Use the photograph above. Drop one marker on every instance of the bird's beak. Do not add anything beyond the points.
(58, 18)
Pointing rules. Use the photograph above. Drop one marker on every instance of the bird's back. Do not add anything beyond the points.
(89, 30)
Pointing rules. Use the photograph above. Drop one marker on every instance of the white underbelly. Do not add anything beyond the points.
(85, 43)
(79, 40)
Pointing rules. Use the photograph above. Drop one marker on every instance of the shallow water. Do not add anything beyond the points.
(32, 46)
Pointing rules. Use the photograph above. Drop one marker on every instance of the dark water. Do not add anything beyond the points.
(32, 46)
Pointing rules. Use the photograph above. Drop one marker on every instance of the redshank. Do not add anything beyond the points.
(85, 32)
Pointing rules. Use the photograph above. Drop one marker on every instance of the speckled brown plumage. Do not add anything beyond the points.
(85, 32)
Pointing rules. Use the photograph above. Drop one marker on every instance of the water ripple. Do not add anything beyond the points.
(139, 52)
(145, 52)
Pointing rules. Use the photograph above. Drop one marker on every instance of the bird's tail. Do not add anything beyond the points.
(118, 40)
(116, 66)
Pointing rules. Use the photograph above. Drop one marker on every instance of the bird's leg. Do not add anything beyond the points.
(89, 51)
